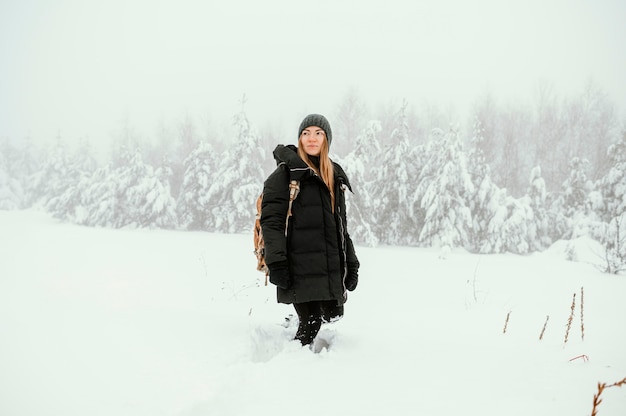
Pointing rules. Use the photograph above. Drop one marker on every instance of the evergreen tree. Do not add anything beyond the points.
(491, 238)
(613, 185)
(358, 165)
(160, 206)
(486, 204)
(11, 192)
(143, 199)
(100, 199)
(539, 228)
(576, 187)
(571, 212)
(67, 205)
(52, 179)
(193, 209)
(612, 209)
(514, 235)
(447, 189)
(130, 195)
(394, 184)
(23, 163)
(238, 181)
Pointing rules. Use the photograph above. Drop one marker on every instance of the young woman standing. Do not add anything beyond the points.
(310, 257)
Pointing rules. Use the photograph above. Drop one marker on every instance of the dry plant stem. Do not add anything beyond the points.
(596, 397)
(543, 330)
(506, 322)
(474, 282)
(582, 313)
(597, 400)
(571, 318)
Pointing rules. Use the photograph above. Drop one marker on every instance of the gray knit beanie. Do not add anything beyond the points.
(317, 120)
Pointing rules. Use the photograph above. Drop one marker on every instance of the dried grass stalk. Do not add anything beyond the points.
(582, 313)
(543, 330)
(596, 397)
(571, 318)
(506, 322)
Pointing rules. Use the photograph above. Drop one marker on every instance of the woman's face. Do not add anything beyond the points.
(312, 139)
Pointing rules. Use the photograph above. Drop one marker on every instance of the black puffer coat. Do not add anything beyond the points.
(318, 248)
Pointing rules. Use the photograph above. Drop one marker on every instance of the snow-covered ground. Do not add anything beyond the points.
(145, 322)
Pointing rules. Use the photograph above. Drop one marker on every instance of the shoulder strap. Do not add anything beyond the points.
(294, 189)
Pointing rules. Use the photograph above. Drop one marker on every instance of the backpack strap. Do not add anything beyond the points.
(294, 190)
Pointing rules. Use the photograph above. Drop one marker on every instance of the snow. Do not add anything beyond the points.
(151, 322)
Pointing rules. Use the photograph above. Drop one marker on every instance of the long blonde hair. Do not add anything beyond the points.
(325, 171)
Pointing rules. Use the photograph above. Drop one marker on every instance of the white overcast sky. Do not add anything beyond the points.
(79, 67)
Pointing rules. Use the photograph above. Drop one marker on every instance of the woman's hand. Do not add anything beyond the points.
(353, 277)
(279, 274)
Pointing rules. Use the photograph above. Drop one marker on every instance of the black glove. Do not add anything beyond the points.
(352, 279)
(279, 274)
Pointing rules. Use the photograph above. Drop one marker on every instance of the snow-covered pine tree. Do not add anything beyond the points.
(492, 239)
(100, 200)
(447, 189)
(52, 179)
(193, 209)
(510, 232)
(11, 191)
(576, 187)
(238, 181)
(613, 208)
(160, 202)
(570, 211)
(143, 199)
(68, 205)
(613, 185)
(394, 183)
(539, 228)
(22, 164)
(358, 165)
(487, 204)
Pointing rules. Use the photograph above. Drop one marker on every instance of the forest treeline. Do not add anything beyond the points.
(515, 179)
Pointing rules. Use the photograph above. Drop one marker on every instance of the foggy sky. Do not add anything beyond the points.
(77, 68)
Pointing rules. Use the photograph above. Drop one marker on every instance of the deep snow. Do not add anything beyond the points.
(149, 322)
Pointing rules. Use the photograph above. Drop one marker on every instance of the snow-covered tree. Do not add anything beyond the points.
(237, 182)
(131, 195)
(193, 209)
(160, 200)
(491, 238)
(612, 208)
(613, 184)
(99, 200)
(394, 183)
(68, 204)
(614, 240)
(52, 179)
(11, 192)
(576, 187)
(514, 229)
(486, 204)
(539, 228)
(447, 189)
(570, 211)
(143, 200)
(358, 165)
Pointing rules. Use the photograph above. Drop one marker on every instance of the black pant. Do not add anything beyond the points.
(312, 314)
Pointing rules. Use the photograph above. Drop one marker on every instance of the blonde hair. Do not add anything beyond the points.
(325, 171)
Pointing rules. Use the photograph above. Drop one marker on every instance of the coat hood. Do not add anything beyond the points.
(299, 170)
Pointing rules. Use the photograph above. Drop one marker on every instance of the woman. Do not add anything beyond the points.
(312, 261)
